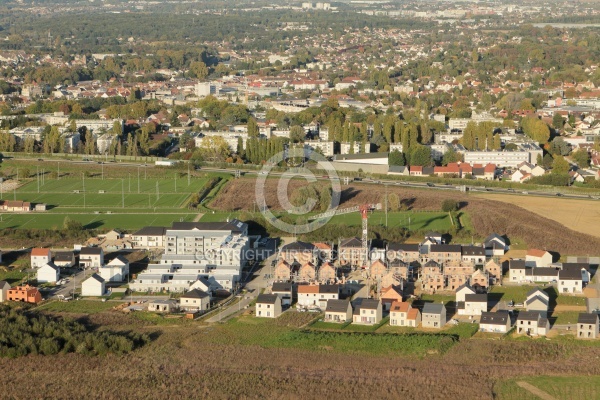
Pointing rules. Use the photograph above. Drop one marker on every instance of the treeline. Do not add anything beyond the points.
(23, 333)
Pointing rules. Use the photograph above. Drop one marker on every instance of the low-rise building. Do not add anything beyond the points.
(433, 315)
(64, 259)
(588, 326)
(474, 304)
(93, 286)
(91, 257)
(4, 287)
(163, 306)
(40, 257)
(532, 323)
(317, 295)
(268, 306)
(338, 311)
(194, 301)
(367, 312)
(26, 294)
(570, 281)
(495, 322)
(285, 291)
(403, 314)
(48, 273)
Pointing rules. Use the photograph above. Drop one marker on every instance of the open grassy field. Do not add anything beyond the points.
(559, 387)
(78, 306)
(579, 215)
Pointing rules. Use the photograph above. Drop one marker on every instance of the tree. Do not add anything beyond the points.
(297, 134)
(560, 165)
(71, 225)
(451, 156)
(199, 69)
(253, 130)
(547, 161)
(581, 158)
(536, 129)
(559, 146)
(557, 121)
(449, 205)
(421, 156)
(214, 148)
(396, 158)
(393, 202)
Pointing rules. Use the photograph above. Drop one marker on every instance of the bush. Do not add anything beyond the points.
(449, 205)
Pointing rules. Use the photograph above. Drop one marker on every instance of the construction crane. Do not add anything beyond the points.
(364, 212)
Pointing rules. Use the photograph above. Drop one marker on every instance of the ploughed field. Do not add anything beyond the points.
(485, 215)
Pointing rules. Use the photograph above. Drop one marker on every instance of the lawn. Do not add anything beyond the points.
(251, 331)
(518, 294)
(567, 317)
(570, 300)
(437, 298)
(416, 221)
(560, 388)
(12, 276)
(78, 306)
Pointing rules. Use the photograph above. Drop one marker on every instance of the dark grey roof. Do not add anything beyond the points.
(432, 234)
(577, 266)
(351, 242)
(494, 318)
(493, 237)
(465, 285)
(327, 289)
(63, 256)
(97, 277)
(516, 264)
(3, 284)
(403, 247)
(195, 294)
(478, 171)
(584, 318)
(545, 271)
(473, 251)
(433, 308)
(476, 298)
(282, 287)
(337, 306)
(267, 298)
(151, 231)
(571, 274)
(536, 298)
(91, 251)
(528, 316)
(445, 248)
(428, 171)
(537, 290)
(297, 246)
(366, 304)
(543, 321)
(398, 168)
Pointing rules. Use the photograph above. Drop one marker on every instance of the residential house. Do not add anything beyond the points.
(570, 281)
(268, 306)
(432, 278)
(406, 253)
(339, 311)
(588, 326)
(517, 271)
(300, 252)
(462, 291)
(149, 237)
(91, 257)
(351, 252)
(93, 286)
(317, 295)
(162, 306)
(194, 301)
(284, 271)
(495, 245)
(367, 312)
(117, 270)
(494, 271)
(324, 251)
(495, 322)
(474, 304)
(64, 259)
(403, 314)
(542, 274)
(4, 287)
(445, 253)
(26, 294)
(48, 273)
(285, 291)
(474, 255)
(390, 295)
(532, 323)
(327, 273)
(583, 267)
(205, 285)
(307, 273)
(40, 257)
(433, 315)
(480, 281)
(537, 300)
(538, 258)
(378, 269)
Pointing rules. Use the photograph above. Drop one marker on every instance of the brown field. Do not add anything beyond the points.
(192, 362)
(578, 215)
(487, 215)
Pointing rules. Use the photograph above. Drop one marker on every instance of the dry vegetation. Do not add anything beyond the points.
(486, 215)
(195, 362)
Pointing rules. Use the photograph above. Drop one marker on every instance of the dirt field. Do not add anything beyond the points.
(487, 215)
(579, 215)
